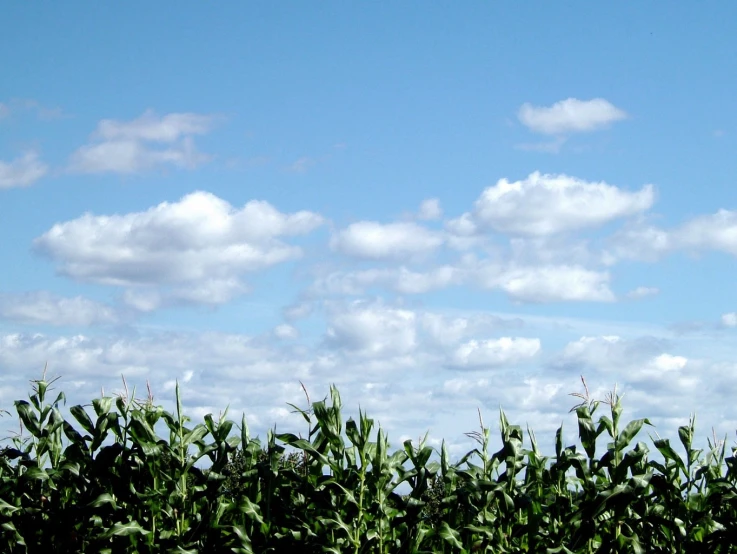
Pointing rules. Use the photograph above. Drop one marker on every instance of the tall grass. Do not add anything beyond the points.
(107, 482)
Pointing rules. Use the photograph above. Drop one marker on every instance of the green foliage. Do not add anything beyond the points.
(107, 482)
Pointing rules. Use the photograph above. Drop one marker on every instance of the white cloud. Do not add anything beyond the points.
(546, 204)
(19, 105)
(549, 147)
(729, 319)
(443, 330)
(714, 232)
(717, 231)
(485, 354)
(22, 171)
(430, 209)
(301, 165)
(401, 280)
(405, 381)
(285, 331)
(556, 249)
(570, 116)
(368, 239)
(44, 308)
(299, 310)
(199, 246)
(128, 156)
(207, 292)
(375, 331)
(125, 147)
(636, 362)
(643, 243)
(143, 299)
(152, 128)
(610, 354)
(643, 292)
(551, 283)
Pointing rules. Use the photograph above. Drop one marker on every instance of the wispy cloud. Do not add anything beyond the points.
(130, 146)
(640, 241)
(20, 105)
(642, 292)
(301, 165)
(45, 308)
(22, 172)
(550, 147)
(430, 210)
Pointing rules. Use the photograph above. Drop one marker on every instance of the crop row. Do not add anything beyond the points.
(106, 481)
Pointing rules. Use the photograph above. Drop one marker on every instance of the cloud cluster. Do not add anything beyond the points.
(200, 246)
(410, 369)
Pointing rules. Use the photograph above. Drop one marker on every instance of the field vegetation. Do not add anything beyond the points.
(106, 481)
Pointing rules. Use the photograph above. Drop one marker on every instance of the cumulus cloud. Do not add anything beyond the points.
(545, 204)
(44, 308)
(22, 172)
(372, 240)
(199, 246)
(373, 330)
(131, 146)
(484, 354)
(551, 283)
(570, 116)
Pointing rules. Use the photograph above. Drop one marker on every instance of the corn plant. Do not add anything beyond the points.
(105, 480)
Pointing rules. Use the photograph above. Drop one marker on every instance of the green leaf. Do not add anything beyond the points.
(451, 536)
(104, 498)
(102, 405)
(36, 473)
(121, 529)
(28, 417)
(629, 432)
(7, 509)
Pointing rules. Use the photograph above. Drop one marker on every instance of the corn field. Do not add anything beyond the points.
(106, 482)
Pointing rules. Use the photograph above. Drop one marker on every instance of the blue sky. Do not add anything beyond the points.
(436, 208)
